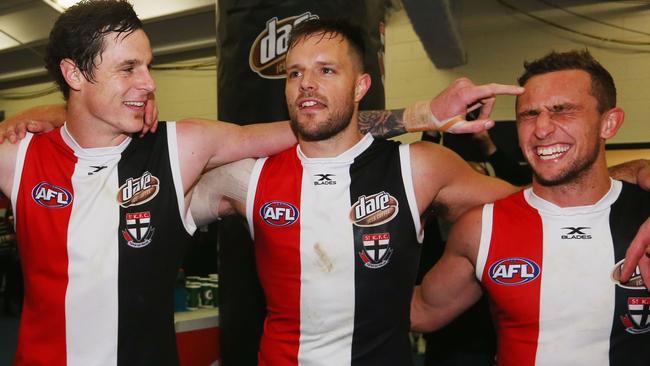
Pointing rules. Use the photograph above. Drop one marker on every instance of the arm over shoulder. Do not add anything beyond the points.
(442, 179)
(205, 144)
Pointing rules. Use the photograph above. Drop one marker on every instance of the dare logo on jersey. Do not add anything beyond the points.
(278, 213)
(374, 210)
(514, 271)
(51, 196)
(634, 283)
(137, 191)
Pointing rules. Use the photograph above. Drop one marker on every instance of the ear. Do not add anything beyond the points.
(361, 87)
(71, 74)
(611, 122)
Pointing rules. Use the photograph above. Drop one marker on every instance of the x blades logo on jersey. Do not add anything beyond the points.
(514, 271)
(279, 214)
(51, 196)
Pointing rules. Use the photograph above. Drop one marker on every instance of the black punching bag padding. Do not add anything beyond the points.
(251, 37)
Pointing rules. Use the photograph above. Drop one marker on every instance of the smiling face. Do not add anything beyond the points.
(559, 126)
(320, 89)
(115, 100)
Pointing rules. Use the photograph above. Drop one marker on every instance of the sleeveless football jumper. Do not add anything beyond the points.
(549, 275)
(101, 235)
(337, 243)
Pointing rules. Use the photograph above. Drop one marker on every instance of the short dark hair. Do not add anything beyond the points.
(79, 33)
(602, 83)
(331, 28)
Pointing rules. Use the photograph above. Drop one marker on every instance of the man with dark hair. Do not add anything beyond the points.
(101, 217)
(550, 257)
(336, 219)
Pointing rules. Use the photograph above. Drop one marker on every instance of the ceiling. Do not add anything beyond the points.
(175, 27)
(183, 29)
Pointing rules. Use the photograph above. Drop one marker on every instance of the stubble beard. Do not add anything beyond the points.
(337, 121)
(573, 172)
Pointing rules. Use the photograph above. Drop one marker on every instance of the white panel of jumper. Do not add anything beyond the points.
(577, 295)
(327, 265)
(91, 302)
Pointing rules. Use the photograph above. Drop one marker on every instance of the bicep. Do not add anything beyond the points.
(451, 287)
(221, 191)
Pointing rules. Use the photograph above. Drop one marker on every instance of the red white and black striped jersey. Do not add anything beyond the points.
(550, 274)
(101, 235)
(337, 249)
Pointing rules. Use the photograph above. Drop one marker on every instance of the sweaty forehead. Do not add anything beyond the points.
(556, 88)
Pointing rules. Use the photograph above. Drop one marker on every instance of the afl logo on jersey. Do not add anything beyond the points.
(514, 271)
(51, 196)
(278, 213)
(137, 191)
(374, 210)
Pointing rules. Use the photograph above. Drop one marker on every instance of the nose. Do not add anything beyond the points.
(146, 82)
(307, 82)
(544, 125)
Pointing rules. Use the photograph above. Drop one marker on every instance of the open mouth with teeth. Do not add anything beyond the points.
(552, 152)
(134, 104)
(310, 104)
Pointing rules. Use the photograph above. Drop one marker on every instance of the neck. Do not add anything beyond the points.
(584, 190)
(88, 131)
(334, 145)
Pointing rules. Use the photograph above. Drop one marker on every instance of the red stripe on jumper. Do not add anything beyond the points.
(516, 233)
(42, 233)
(277, 251)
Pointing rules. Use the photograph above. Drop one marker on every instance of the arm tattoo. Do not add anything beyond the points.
(382, 123)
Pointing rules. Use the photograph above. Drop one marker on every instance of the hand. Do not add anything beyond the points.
(461, 97)
(638, 254)
(15, 128)
(150, 116)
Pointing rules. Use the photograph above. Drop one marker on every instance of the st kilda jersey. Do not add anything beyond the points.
(101, 234)
(552, 277)
(337, 244)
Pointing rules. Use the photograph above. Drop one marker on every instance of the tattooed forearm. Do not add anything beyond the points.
(382, 123)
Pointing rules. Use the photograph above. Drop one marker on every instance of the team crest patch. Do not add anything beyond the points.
(51, 196)
(637, 319)
(138, 232)
(634, 283)
(279, 213)
(374, 210)
(376, 250)
(138, 191)
(514, 271)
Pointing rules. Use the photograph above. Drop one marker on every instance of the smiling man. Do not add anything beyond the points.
(101, 218)
(550, 257)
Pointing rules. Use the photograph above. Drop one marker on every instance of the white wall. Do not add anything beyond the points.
(496, 42)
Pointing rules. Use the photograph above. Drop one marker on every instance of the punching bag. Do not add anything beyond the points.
(252, 38)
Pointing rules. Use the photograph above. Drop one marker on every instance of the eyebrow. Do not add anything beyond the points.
(131, 62)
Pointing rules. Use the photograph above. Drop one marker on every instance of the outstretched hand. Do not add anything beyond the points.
(638, 254)
(462, 97)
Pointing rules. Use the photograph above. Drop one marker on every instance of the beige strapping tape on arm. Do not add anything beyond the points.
(418, 117)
